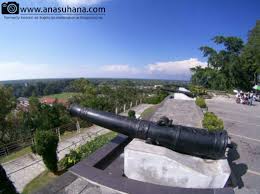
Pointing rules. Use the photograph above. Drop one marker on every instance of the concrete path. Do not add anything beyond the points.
(24, 169)
(243, 125)
(182, 112)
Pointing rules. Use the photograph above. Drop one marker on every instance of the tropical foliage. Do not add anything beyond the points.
(201, 102)
(156, 98)
(46, 143)
(237, 65)
(85, 150)
(212, 122)
(131, 114)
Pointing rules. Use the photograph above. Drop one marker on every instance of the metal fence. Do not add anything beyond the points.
(6, 149)
(15, 146)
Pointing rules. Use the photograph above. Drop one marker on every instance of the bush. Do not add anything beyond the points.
(131, 113)
(6, 186)
(85, 150)
(197, 90)
(46, 143)
(201, 102)
(33, 148)
(156, 99)
(212, 122)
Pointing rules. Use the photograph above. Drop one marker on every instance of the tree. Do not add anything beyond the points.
(46, 143)
(44, 116)
(80, 85)
(223, 70)
(6, 186)
(235, 66)
(7, 103)
(251, 54)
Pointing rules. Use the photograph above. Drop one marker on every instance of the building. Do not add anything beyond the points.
(51, 101)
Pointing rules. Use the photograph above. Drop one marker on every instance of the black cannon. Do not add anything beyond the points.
(179, 91)
(188, 140)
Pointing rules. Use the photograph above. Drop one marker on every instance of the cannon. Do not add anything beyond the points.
(191, 95)
(184, 139)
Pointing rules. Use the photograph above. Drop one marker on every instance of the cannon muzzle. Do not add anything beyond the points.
(188, 140)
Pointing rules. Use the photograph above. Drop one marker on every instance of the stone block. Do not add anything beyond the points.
(159, 165)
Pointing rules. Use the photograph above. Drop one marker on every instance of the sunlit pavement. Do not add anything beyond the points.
(182, 112)
(243, 125)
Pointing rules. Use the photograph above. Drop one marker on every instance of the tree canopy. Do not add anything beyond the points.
(237, 65)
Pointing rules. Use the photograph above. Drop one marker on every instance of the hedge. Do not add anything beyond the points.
(156, 99)
(85, 150)
(46, 143)
(131, 114)
(201, 102)
(212, 122)
(197, 90)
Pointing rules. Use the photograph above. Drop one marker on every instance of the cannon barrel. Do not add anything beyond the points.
(179, 91)
(188, 140)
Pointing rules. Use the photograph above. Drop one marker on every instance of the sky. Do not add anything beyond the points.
(151, 39)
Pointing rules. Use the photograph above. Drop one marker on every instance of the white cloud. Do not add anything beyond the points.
(174, 67)
(18, 70)
(119, 69)
(80, 2)
(160, 70)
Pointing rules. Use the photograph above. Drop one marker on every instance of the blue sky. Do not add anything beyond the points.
(135, 39)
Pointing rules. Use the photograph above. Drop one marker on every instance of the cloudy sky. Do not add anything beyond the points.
(135, 39)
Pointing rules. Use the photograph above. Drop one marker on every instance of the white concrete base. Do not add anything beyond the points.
(159, 165)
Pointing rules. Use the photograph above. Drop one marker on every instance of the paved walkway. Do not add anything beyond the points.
(24, 169)
(243, 125)
(182, 112)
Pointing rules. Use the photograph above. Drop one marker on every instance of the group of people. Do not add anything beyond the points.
(246, 98)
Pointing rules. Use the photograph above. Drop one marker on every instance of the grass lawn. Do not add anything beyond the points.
(64, 95)
(40, 181)
(149, 112)
(15, 155)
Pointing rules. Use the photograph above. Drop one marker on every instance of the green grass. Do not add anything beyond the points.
(40, 181)
(15, 155)
(64, 95)
(148, 112)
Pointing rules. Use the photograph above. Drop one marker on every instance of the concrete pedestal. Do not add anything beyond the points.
(159, 165)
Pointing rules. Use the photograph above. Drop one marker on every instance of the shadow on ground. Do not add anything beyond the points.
(237, 170)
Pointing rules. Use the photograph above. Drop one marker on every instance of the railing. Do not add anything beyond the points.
(6, 149)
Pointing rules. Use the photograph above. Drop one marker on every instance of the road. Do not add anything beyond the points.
(24, 169)
(243, 125)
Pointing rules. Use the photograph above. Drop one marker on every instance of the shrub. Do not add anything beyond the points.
(197, 90)
(46, 143)
(156, 99)
(33, 148)
(201, 102)
(131, 113)
(85, 150)
(6, 186)
(212, 122)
